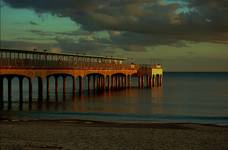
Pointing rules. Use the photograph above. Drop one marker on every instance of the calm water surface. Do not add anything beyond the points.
(184, 97)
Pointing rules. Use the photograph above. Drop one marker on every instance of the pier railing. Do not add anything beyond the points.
(31, 59)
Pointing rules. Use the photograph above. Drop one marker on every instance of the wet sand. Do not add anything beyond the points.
(77, 135)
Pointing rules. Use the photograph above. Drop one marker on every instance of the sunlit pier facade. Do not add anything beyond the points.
(87, 71)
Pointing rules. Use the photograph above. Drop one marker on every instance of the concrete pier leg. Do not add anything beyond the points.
(147, 81)
(99, 83)
(116, 82)
(108, 82)
(74, 85)
(121, 82)
(81, 85)
(30, 92)
(89, 83)
(56, 87)
(40, 89)
(153, 81)
(157, 80)
(142, 80)
(125, 82)
(161, 80)
(64, 86)
(30, 89)
(20, 93)
(103, 82)
(129, 82)
(94, 82)
(150, 81)
(1, 93)
(48, 88)
(139, 81)
(9, 92)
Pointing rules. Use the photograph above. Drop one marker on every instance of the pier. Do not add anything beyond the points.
(96, 72)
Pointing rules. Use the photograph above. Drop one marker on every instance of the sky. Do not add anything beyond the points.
(182, 35)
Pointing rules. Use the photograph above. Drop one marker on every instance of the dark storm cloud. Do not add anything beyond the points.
(142, 22)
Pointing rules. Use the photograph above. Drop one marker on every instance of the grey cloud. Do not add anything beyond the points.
(142, 22)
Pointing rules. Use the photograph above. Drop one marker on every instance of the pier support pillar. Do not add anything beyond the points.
(150, 81)
(103, 82)
(64, 86)
(48, 87)
(1, 93)
(89, 83)
(94, 82)
(20, 92)
(74, 85)
(108, 82)
(129, 81)
(30, 90)
(40, 88)
(9, 92)
(142, 81)
(80, 85)
(56, 87)
(153, 80)
(147, 81)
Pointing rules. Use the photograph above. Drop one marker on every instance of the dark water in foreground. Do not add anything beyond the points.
(184, 97)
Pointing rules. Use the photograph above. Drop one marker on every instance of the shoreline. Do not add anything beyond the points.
(87, 134)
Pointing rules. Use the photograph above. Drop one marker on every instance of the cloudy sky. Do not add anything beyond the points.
(183, 35)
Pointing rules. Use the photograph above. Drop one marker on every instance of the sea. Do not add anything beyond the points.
(183, 98)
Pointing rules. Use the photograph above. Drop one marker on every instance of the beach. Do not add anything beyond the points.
(79, 134)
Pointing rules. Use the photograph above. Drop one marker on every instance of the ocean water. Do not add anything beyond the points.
(183, 98)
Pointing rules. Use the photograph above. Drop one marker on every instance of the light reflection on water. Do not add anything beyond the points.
(184, 95)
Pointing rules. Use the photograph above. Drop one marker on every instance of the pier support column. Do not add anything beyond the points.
(56, 87)
(94, 82)
(150, 81)
(125, 81)
(48, 87)
(40, 88)
(157, 80)
(112, 82)
(129, 81)
(30, 91)
(81, 81)
(103, 82)
(142, 81)
(64, 86)
(1, 93)
(108, 82)
(147, 81)
(89, 83)
(116, 82)
(74, 85)
(160, 80)
(20, 92)
(9, 92)
(153, 80)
